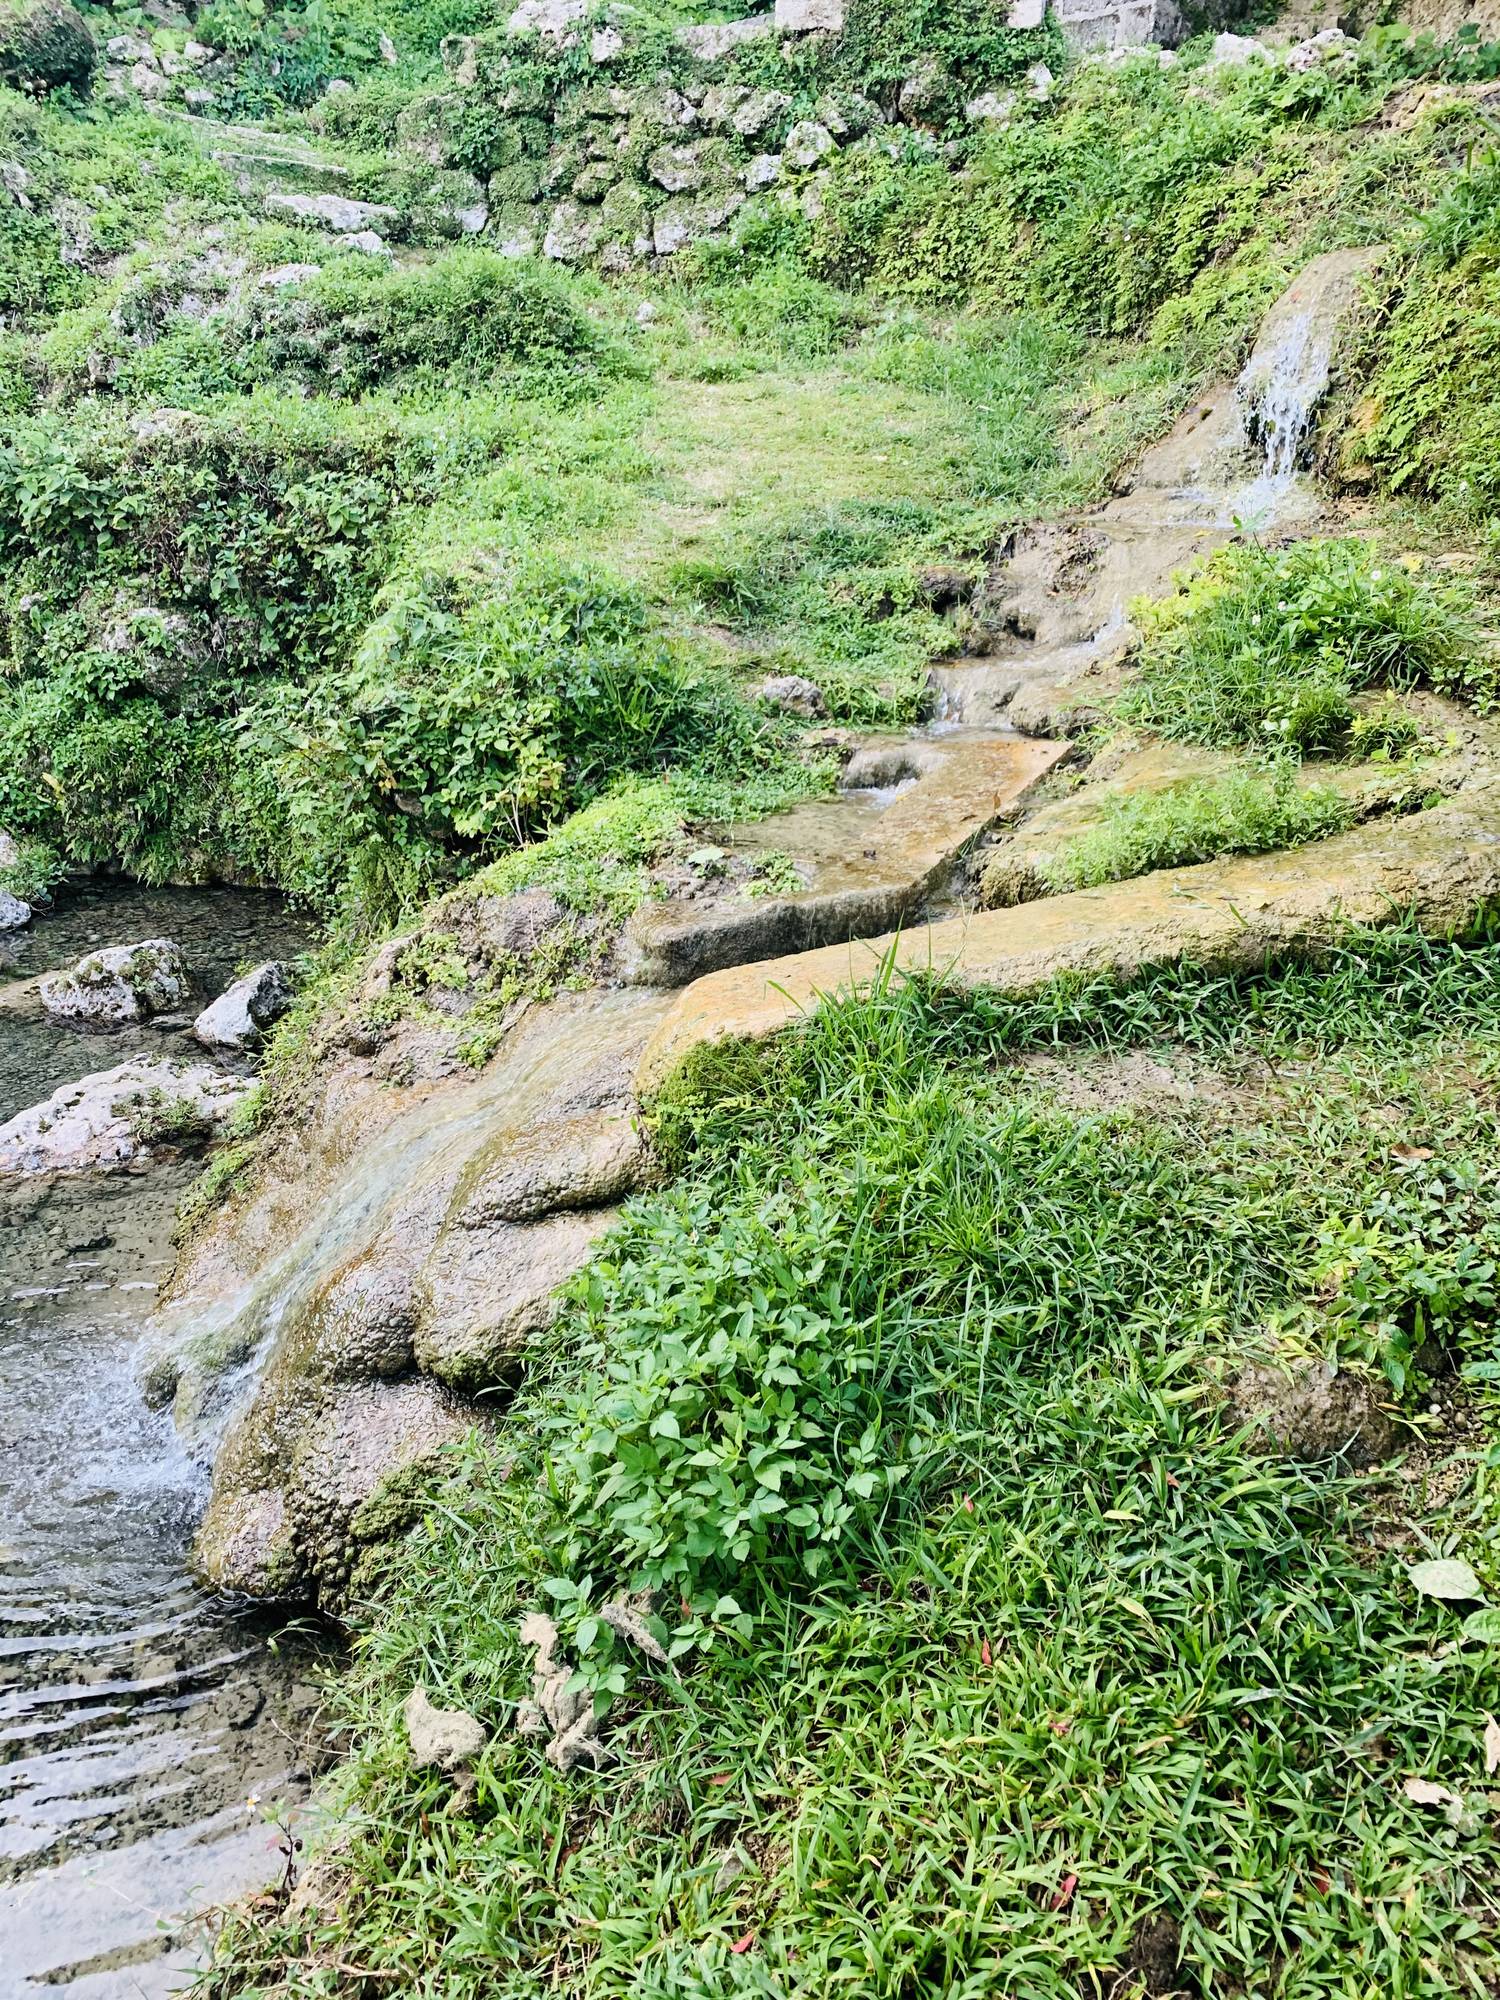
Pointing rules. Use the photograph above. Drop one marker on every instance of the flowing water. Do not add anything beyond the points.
(138, 1712)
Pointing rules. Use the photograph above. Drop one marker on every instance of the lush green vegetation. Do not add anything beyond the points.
(1006, 1659)
(1001, 1659)
(1243, 812)
(1265, 647)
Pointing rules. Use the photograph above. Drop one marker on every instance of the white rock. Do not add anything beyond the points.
(605, 45)
(645, 312)
(120, 985)
(1232, 50)
(471, 220)
(148, 80)
(1026, 14)
(762, 171)
(129, 49)
(387, 49)
(196, 54)
(806, 17)
(14, 914)
(714, 40)
(240, 1016)
(367, 240)
(1316, 49)
(333, 211)
(520, 243)
(99, 1121)
(806, 143)
(288, 274)
(756, 110)
(1041, 80)
(994, 107)
(10, 852)
(339, 86)
(198, 97)
(546, 17)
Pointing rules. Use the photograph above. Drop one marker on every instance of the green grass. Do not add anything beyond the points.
(1242, 812)
(1090, 1664)
(1264, 648)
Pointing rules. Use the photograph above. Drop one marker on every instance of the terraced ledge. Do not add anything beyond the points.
(1440, 867)
(871, 856)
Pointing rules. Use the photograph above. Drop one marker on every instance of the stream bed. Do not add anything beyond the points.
(140, 1714)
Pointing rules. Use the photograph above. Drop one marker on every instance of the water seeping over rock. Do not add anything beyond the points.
(1055, 605)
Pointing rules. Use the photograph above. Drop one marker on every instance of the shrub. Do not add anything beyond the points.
(1268, 645)
(353, 325)
(765, 1375)
(1243, 812)
(472, 717)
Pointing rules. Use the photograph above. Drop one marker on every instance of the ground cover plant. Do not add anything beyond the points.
(1242, 812)
(1006, 1660)
(1265, 647)
(999, 1657)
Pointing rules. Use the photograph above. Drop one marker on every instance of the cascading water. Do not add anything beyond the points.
(1282, 386)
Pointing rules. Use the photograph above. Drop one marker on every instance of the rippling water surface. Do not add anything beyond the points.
(138, 1712)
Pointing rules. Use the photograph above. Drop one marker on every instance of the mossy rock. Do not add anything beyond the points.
(518, 183)
(46, 45)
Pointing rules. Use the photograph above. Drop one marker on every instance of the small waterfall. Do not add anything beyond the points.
(1282, 386)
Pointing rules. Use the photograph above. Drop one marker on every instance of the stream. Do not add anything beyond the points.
(139, 1712)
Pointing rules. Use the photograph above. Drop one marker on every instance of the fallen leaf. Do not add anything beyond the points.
(1411, 1152)
(968, 1504)
(1059, 1728)
(1452, 1579)
(984, 1653)
(1423, 1792)
(742, 1945)
(1065, 1890)
(1491, 1746)
(721, 1778)
(1321, 1882)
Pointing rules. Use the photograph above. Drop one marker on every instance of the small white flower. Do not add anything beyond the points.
(1374, 576)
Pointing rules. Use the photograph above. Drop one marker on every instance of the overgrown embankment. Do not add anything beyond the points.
(894, 1473)
(1006, 1659)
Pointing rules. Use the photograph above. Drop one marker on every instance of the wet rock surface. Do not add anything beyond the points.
(322, 1341)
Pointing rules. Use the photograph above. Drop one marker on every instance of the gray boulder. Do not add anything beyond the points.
(14, 914)
(806, 143)
(240, 1016)
(119, 986)
(714, 40)
(806, 17)
(336, 212)
(793, 694)
(119, 1117)
(46, 45)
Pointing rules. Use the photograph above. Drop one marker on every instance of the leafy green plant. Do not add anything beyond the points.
(1264, 647)
(1414, 1280)
(357, 322)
